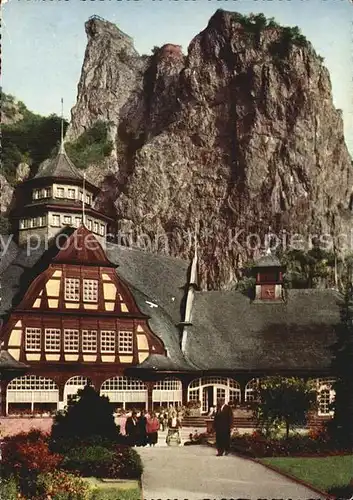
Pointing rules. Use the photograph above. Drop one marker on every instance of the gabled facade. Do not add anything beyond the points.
(136, 325)
(79, 318)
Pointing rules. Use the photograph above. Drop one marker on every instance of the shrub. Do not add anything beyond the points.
(89, 415)
(257, 445)
(126, 464)
(65, 445)
(60, 485)
(119, 462)
(89, 461)
(9, 489)
(28, 453)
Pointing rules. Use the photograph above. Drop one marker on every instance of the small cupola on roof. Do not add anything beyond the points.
(268, 272)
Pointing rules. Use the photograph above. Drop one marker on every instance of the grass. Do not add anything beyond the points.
(115, 490)
(325, 473)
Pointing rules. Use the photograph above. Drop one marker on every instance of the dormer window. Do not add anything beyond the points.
(269, 279)
(71, 193)
(60, 192)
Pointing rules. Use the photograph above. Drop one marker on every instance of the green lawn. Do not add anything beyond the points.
(324, 473)
(115, 490)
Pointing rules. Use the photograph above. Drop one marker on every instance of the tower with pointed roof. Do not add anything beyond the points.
(56, 198)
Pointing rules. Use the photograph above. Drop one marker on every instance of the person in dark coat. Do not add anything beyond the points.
(223, 421)
(131, 428)
(141, 431)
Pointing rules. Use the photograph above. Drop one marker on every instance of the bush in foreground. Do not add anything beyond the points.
(120, 462)
(27, 453)
(60, 485)
(311, 445)
(9, 489)
(90, 461)
(90, 415)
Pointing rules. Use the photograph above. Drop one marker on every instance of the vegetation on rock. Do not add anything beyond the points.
(90, 147)
(30, 139)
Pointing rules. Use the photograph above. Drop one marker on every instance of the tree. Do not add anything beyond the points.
(90, 415)
(341, 428)
(283, 401)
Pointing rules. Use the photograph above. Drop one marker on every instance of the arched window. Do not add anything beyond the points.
(128, 392)
(209, 389)
(168, 391)
(73, 385)
(251, 388)
(30, 393)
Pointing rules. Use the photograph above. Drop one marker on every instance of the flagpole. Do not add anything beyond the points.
(62, 127)
(83, 200)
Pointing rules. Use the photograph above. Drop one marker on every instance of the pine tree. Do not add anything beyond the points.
(341, 426)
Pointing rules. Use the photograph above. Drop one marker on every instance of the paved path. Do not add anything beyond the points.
(195, 473)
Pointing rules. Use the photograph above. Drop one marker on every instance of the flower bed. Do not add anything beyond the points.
(256, 445)
(33, 467)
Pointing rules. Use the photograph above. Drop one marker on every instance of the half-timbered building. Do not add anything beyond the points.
(136, 326)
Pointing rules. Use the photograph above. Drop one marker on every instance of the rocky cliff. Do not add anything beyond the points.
(239, 135)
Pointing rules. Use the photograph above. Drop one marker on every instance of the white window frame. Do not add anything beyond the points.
(96, 227)
(102, 230)
(71, 340)
(33, 334)
(108, 341)
(126, 342)
(60, 192)
(78, 221)
(54, 217)
(90, 285)
(71, 287)
(89, 224)
(67, 220)
(56, 339)
(71, 191)
(89, 341)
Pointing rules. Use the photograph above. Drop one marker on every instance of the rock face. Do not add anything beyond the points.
(238, 136)
(6, 195)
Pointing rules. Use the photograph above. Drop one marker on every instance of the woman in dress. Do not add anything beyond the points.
(152, 427)
(174, 424)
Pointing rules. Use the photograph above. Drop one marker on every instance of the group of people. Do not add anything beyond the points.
(143, 430)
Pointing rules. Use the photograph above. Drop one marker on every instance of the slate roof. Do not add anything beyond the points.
(152, 279)
(230, 332)
(268, 261)
(7, 362)
(162, 363)
(60, 167)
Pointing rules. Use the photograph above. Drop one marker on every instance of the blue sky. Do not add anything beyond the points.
(43, 41)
